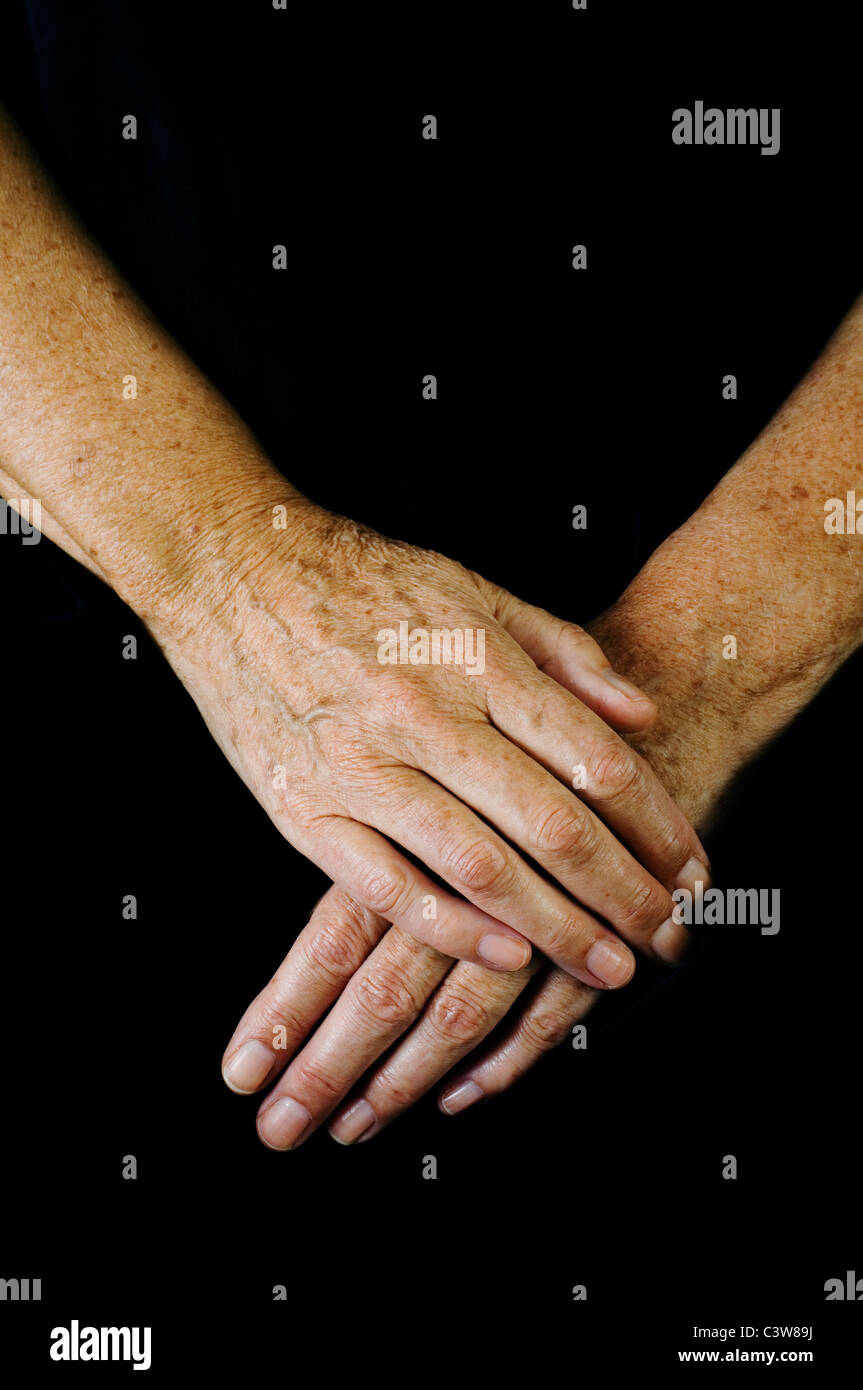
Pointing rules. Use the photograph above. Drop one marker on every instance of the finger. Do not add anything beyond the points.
(553, 827)
(462, 1011)
(377, 875)
(545, 1022)
(570, 656)
(339, 936)
(574, 744)
(381, 1001)
(470, 857)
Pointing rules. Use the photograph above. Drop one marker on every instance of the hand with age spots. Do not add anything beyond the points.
(536, 823)
(758, 561)
(361, 764)
(402, 1014)
(483, 807)
(428, 790)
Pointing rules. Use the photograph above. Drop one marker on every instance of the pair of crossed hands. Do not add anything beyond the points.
(484, 832)
(550, 845)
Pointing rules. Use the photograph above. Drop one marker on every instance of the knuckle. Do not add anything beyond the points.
(406, 702)
(382, 889)
(348, 911)
(614, 772)
(385, 997)
(459, 1016)
(277, 1015)
(647, 905)
(571, 940)
(311, 1078)
(572, 642)
(334, 950)
(566, 833)
(480, 867)
(544, 1028)
(392, 1092)
(346, 748)
(675, 846)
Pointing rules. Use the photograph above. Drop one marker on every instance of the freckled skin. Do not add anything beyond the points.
(273, 630)
(754, 561)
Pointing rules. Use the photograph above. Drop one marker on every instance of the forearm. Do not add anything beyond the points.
(137, 488)
(754, 564)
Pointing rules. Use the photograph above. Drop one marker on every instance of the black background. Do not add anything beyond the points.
(555, 388)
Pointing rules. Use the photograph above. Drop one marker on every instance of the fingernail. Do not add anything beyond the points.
(460, 1097)
(248, 1067)
(625, 687)
(503, 952)
(610, 962)
(693, 872)
(284, 1123)
(672, 942)
(352, 1123)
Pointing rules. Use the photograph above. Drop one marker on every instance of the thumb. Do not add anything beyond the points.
(570, 656)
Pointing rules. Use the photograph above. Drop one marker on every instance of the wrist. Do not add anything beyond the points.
(185, 552)
(729, 656)
(663, 652)
(681, 632)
